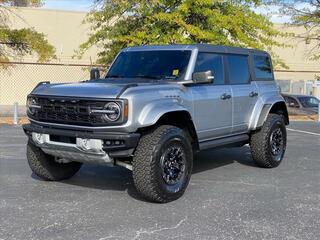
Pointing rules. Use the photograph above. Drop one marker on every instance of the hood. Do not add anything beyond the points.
(82, 89)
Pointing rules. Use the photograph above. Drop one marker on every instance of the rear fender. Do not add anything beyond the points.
(263, 108)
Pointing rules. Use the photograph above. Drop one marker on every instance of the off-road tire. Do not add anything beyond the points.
(260, 142)
(45, 167)
(147, 171)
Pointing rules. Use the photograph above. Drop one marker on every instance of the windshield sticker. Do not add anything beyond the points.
(175, 72)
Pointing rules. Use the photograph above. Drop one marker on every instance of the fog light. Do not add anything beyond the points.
(38, 138)
(85, 143)
(90, 145)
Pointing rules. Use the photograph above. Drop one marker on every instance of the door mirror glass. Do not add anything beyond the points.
(94, 74)
(293, 105)
(203, 77)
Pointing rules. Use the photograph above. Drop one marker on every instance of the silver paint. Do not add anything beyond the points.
(212, 116)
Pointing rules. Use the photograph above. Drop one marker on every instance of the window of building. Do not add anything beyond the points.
(238, 69)
(262, 67)
(211, 62)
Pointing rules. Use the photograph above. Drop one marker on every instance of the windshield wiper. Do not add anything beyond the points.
(147, 76)
(113, 76)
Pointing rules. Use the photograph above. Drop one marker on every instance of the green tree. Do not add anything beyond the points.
(21, 42)
(121, 23)
(23, 3)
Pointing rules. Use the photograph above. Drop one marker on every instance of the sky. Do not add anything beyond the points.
(75, 5)
(85, 5)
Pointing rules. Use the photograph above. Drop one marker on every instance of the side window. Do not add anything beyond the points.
(262, 67)
(212, 62)
(238, 69)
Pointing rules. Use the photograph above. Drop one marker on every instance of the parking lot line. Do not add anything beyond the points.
(300, 131)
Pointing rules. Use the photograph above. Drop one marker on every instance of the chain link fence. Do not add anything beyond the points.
(306, 87)
(18, 79)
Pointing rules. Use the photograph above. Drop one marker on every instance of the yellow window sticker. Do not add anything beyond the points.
(175, 72)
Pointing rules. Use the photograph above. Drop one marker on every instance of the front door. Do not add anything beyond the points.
(212, 102)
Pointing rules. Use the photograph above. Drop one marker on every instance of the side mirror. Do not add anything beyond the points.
(203, 77)
(94, 74)
(293, 105)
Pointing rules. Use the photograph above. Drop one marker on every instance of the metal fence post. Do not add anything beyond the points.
(15, 113)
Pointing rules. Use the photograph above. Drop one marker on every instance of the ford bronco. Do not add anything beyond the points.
(155, 108)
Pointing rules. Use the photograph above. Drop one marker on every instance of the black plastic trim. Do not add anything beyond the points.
(130, 139)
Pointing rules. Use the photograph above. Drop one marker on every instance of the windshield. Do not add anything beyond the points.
(309, 102)
(169, 65)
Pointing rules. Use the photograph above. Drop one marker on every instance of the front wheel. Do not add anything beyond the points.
(268, 145)
(162, 164)
(45, 166)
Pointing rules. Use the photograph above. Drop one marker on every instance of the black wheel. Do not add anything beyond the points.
(45, 166)
(268, 145)
(162, 164)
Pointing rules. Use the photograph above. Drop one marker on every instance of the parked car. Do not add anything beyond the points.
(154, 109)
(301, 104)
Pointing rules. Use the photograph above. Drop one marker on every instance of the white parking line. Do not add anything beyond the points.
(300, 131)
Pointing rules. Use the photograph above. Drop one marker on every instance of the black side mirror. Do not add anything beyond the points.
(94, 74)
(293, 105)
(203, 77)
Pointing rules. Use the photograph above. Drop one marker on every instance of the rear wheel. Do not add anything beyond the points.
(162, 164)
(45, 166)
(268, 145)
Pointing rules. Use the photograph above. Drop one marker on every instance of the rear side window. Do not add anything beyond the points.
(238, 69)
(262, 67)
(210, 62)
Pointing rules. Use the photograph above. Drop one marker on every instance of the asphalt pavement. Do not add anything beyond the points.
(228, 197)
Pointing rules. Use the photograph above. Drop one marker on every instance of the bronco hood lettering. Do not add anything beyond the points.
(84, 89)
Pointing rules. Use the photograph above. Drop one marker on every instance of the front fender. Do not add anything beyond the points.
(153, 111)
(262, 109)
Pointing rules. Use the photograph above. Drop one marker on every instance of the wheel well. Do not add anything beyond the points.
(181, 119)
(280, 108)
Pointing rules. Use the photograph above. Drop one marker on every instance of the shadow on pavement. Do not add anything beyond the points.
(120, 179)
(211, 159)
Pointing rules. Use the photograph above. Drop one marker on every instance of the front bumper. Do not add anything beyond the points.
(101, 146)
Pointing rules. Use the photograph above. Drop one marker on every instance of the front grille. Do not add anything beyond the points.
(69, 111)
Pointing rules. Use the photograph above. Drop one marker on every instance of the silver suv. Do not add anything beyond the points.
(155, 108)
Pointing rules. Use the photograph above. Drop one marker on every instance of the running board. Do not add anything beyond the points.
(224, 142)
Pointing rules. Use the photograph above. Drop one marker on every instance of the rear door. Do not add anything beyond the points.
(212, 112)
(244, 92)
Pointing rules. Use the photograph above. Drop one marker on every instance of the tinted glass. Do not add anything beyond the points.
(309, 102)
(150, 65)
(238, 69)
(262, 67)
(292, 102)
(210, 62)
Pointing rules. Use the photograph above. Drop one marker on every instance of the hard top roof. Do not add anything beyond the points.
(295, 95)
(200, 47)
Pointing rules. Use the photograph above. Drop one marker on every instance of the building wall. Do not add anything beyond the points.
(64, 30)
(300, 77)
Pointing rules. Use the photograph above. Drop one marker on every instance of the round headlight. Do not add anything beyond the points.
(113, 111)
(32, 105)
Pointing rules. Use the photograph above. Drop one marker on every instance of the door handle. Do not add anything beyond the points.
(225, 96)
(253, 94)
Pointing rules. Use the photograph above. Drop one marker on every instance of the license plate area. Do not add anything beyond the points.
(63, 139)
